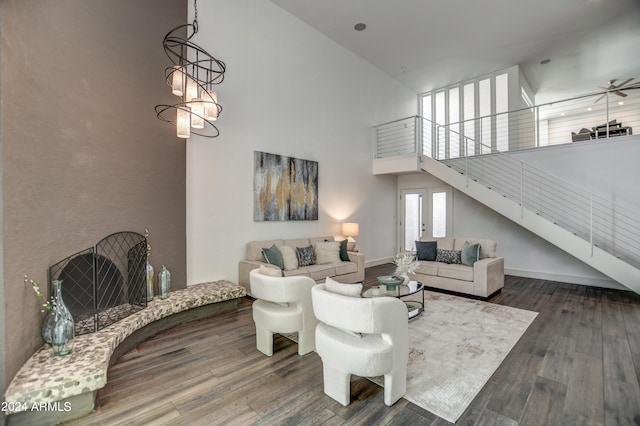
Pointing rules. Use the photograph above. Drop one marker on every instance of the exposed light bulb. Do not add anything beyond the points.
(183, 122)
(197, 114)
(177, 80)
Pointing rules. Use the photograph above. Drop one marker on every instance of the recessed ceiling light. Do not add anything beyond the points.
(562, 114)
(621, 103)
(360, 26)
(589, 109)
(545, 61)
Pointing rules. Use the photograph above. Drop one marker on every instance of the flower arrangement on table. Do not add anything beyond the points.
(406, 264)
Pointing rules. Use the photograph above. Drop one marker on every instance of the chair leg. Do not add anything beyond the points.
(264, 340)
(395, 385)
(306, 341)
(337, 384)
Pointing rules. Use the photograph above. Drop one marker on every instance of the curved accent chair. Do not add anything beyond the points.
(283, 305)
(367, 337)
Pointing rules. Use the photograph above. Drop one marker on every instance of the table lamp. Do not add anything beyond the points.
(351, 230)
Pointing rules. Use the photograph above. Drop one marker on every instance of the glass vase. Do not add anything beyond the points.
(164, 283)
(150, 282)
(58, 328)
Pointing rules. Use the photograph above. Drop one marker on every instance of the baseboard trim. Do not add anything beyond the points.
(571, 279)
(376, 262)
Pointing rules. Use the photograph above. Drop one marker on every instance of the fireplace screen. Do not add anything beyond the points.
(106, 283)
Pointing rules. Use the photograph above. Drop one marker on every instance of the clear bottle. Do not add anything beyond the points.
(62, 330)
(164, 283)
(150, 281)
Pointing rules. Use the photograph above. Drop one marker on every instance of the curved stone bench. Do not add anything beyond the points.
(49, 385)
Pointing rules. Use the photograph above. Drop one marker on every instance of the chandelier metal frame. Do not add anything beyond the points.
(192, 77)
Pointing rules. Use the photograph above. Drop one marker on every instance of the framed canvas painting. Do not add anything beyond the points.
(284, 188)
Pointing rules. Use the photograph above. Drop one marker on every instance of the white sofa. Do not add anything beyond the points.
(483, 279)
(351, 271)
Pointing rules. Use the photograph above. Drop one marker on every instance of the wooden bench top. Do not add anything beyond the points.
(45, 378)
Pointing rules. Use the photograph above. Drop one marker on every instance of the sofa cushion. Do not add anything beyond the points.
(254, 248)
(487, 247)
(327, 252)
(320, 272)
(470, 253)
(448, 256)
(289, 257)
(346, 268)
(428, 268)
(320, 239)
(426, 250)
(456, 272)
(443, 243)
(273, 256)
(300, 242)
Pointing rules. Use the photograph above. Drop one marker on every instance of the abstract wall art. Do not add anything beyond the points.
(284, 188)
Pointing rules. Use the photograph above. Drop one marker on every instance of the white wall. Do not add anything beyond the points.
(608, 168)
(288, 90)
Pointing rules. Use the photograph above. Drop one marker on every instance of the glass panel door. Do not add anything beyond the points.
(411, 218)
(424, 212)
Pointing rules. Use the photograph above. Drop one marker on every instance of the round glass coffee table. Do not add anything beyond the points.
(415, 308)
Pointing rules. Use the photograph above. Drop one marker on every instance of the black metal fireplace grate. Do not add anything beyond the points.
(103, 284)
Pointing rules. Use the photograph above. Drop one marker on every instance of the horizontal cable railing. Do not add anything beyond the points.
(610, 226)
(479, 149)
(398, 137)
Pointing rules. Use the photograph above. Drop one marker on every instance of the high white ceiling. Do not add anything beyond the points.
(428, 44)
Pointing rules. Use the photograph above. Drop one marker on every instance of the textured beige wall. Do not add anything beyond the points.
(83, 154)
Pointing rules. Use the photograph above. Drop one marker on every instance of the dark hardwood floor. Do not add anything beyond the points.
(577, 364)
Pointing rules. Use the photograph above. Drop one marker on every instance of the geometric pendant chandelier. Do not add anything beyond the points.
(191, 78)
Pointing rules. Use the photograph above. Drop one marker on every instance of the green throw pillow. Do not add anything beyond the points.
(470, 253)
(344, 256)
(273, 256)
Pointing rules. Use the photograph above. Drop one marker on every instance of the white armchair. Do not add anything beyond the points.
(283, 305)
(367, 337)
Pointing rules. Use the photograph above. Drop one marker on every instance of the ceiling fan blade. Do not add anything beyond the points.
(622, 84)
(619, 93)
(598, 100)
(603, 88)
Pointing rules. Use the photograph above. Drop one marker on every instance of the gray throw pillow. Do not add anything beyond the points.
(306, 256)
(426, 250)
(449, 256)
(273, 256)
(470, 253)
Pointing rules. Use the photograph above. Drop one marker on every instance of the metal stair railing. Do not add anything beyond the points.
(609, 226)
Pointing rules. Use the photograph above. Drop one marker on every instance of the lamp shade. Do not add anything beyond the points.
(350, 229)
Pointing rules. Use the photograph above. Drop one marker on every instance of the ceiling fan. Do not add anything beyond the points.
(612, 87)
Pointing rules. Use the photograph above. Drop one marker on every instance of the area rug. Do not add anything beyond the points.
(454, 348)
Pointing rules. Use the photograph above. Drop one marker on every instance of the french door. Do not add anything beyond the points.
(424, 212)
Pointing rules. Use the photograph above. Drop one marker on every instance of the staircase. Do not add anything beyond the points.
(600, 234)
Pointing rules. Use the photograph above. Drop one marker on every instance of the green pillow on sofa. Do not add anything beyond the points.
(470, 253)
(273, 256)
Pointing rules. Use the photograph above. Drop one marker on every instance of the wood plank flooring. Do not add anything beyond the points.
(577, 364)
